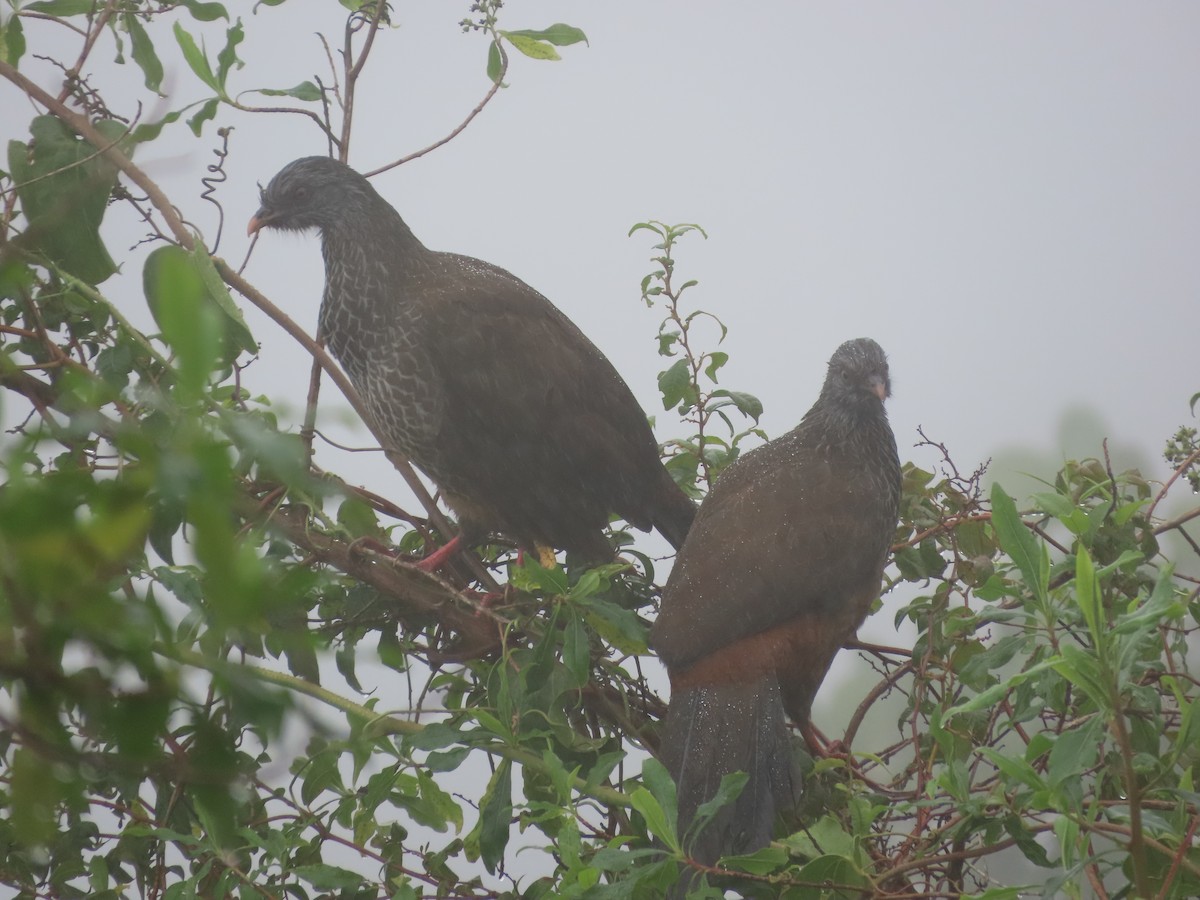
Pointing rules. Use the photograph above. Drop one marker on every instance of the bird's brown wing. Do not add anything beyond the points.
(784, 554)
(536, 421)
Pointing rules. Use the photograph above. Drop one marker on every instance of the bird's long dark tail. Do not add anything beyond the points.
(673, 512)
(712, 731)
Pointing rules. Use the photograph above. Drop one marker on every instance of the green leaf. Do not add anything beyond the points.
(1015, 768)
(195, 57)
(494, 63)
(204, 329)
(728, 791)
(227, 58)
(993, 694)
(12, 40)
(1075, 751)
(558, 34)
(495, 816)
(676, 385)
(657, 823)
(237, 332)
(64, 186)
(832, 870)
(1087, 593)
(576, 652)
(1000, 893)
(716, 360)
(207, 112)
(151, 130)
(747, 404)
(617, 625)
(325, 877)
(305, 90)
(63, 8)
(1017, 541)
(143, 52)
(206, 12)
(531, 47)
(765, 861)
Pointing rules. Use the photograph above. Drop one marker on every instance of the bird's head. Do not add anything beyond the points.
(313, 192)
(858, 376)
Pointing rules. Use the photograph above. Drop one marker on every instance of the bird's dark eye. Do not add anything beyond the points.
(301, 193)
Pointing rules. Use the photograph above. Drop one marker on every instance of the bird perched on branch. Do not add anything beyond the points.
(476, 377)
(779, 569)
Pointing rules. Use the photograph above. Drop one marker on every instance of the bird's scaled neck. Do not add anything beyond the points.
(847, 429)
(379, 230)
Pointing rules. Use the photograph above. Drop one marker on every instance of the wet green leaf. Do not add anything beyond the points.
(558, 34)
(305, 90)
(531, 47)
(64, 185)
(144, 53)
(495, 816)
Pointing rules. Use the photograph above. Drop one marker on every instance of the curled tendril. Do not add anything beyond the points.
(216, 177)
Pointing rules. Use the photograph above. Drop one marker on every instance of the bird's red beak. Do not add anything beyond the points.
(878, 386)
(258, 220)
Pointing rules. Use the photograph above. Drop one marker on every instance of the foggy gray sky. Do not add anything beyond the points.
(1006, 196)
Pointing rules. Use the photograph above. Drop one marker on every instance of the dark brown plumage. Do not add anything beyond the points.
(778, 571)
(476, 377)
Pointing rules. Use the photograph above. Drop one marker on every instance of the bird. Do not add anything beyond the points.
(779, 569)
(524, 425)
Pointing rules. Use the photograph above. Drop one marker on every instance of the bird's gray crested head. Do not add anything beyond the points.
(858, 379)
(314, 192)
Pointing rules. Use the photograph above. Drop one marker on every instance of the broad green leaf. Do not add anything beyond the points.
(305, 90)
(227, 58)
(64, 186)
(576, 652)
(531, 47)
(206, 12)
(1015, 768)
(730, 789)
(495, 816)
(144, 53)
(1082, 668)
(716, 360)
(676, 385)
(1026, 550)
(832, 870)
(12, 40)
(206, 113)
(1087, 593)
(993, 694)
(494, 63)
(657, 823)
(661, 786)
(237, 333)
(151, 130)
(766, 860)
(747, 404)
(192, 320)
(558, 34)
(1075, 751)
(196, 58)
(617, 625)
(1000, 893)
(325, 877)
(63, 8)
